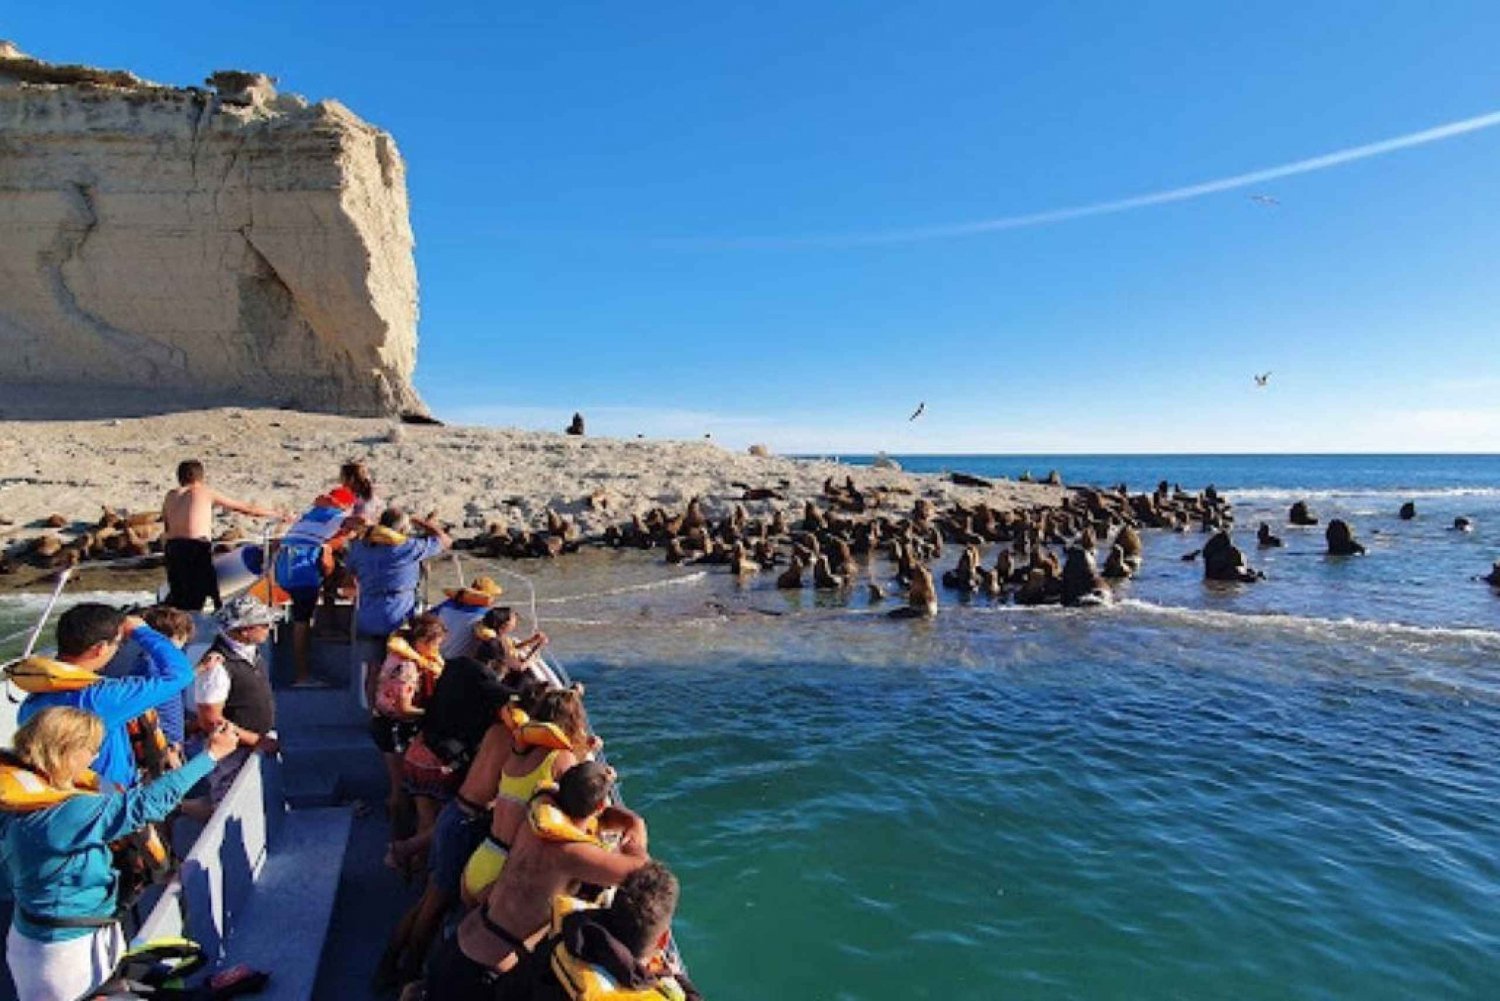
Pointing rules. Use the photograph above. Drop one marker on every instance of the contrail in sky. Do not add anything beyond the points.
(1323, 162)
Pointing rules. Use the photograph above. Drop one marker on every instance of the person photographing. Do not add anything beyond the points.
(56, 826)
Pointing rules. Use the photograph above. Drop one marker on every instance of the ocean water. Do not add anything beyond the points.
(1282, 790)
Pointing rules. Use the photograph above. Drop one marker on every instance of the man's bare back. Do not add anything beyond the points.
(188, 511)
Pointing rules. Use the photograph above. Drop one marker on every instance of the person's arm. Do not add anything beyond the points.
(241, 507)
(599, 866)
(437, 540)
(211, 714)
(84, 821)
(632, 828)
(119, 700)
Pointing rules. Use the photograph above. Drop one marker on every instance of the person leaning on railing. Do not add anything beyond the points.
(55, 835)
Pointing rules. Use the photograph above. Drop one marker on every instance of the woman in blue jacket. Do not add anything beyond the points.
(55, 832)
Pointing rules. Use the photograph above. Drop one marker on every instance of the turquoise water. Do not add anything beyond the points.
(1287, 790)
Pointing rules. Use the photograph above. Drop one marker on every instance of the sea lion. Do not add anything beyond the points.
(1129, 541)
(739, 563)
(676, 552)
(1408, 511)
(790, 579)
(921, 597)
(1039, 588)
(1117, 567)
(1300, 515)
(1462, 524)
(1223, 561)
(824, 579)
(575, 427)
(1341, 541)
(1080, 577)
(1265, 539)
(1494, 576)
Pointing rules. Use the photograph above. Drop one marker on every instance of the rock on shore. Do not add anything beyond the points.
(223, 243)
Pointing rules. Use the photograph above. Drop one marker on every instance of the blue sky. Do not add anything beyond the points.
(608, 201)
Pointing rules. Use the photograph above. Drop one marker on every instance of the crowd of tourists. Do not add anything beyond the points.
(535, 883)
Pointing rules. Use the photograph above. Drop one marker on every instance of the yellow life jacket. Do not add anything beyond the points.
(379, 535)
(549, 823)
(484, 633)
(528, 733)
(398, 646)
(40, 675)
(24, 791)
(583, 981)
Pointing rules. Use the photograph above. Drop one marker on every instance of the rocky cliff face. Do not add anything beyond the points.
(219, 243)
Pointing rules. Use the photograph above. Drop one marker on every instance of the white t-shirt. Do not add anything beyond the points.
(212, 686)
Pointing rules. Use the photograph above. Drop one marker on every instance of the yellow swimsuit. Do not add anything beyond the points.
(488, 859)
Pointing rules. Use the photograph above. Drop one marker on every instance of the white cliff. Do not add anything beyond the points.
(218, 244)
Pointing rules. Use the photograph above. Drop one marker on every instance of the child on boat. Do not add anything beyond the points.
(405, 682)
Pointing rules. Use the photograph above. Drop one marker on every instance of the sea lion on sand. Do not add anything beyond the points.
(1341, 541)
(1300, 515)
(1265, 539)
(1408, 511)
(576, 426)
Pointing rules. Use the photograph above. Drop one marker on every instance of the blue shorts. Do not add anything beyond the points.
(454, 839)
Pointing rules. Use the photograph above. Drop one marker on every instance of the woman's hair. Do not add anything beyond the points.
(496, 618)
(44, 742)
(356, 476)
(395, 519)
(426, 626)
(173, 623)
(564, 706)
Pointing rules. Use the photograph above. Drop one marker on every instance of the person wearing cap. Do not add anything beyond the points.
(234, 684)
(88, 637)
(561, 846)
(463, 614)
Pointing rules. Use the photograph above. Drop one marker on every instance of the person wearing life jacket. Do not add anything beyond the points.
(187, 515)
(88, 636)
(464, 613)
(387, 565)
(55, 831)
(304, 558)
(406, 681)
(561, 845)
(545, 743)
(132, 661)
(235, 685)
(615, 953)
(499, 645)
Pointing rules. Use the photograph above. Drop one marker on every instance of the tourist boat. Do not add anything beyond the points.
(289, 869)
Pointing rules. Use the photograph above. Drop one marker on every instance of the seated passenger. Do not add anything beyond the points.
(463, 613)
(620, 949)
(544, 745)
(499, 645)
(560, 847)
(401, 690)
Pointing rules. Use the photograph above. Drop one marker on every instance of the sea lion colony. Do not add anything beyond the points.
(1046, 555)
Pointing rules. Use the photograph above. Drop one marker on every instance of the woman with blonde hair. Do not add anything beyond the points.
(55, 830)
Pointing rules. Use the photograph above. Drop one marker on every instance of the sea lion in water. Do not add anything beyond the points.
(875, 592)
(824, 579)
(1408, 511)
(791, 578)
(1129, 541)
(1341, 541)
(921, 597)
(1116, 567)
(1494, 577)
(1300, 515)
(1462, 524)
(1080, 578)
(1222, 560)
(1265, 539)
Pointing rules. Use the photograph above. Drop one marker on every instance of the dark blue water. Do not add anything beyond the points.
(1282, 790)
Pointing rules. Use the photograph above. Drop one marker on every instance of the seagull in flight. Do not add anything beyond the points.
(1262, 380)
(1269, 201)
(918, 412)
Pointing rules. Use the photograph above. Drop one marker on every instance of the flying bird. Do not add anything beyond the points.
(918, 412)
(1262, 380)
(1268, 201)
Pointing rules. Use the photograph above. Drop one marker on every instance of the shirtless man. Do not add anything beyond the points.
(495, 938)
(188, 517)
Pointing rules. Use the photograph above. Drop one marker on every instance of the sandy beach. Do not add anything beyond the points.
(472, 477)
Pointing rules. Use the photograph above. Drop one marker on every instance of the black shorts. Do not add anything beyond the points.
(452, 976)
(191, 578)
(393, 736)
(304, 603)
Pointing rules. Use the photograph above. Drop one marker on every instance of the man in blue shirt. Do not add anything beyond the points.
(88, 636)
(388, 566)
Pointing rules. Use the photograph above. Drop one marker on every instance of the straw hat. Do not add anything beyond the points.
(481, 591)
